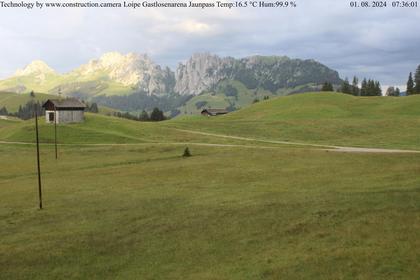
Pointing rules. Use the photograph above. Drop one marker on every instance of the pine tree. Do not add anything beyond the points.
(417, 81)
(3, 111)
(345, 86)
(397, 92)
(327, 87)
(94, 108)
(144, 116)
(410, 85)
(363, 90)
(157, 115)
(187, 152)
(377, 89)
(355, 86)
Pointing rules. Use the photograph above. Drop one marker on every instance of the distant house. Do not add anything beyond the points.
(214, 112)
(69, 110)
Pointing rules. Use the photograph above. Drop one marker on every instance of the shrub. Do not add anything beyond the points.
(187, 152)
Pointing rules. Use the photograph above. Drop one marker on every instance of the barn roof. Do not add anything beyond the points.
(65, 103)
(215, 111)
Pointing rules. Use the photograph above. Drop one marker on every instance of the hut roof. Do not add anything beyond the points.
(65, 103)
(215, 111)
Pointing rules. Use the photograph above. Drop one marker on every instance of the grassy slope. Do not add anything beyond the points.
(143, 212)
(245, 97)
(95, 84)
(101, 129)
(325, 118)
(12, 101)
(218, 99)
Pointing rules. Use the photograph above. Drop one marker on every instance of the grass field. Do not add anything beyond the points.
(236, 210)
(327, 118)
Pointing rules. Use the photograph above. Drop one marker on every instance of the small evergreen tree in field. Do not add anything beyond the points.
(187, 152)
(397, 92)
(410, 85)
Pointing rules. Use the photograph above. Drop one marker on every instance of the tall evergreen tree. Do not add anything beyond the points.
(355, 86)
(417, 81)
(157, 115)
(410, 84)
(345, 86)
(363, 89)
(144, 116)
(377, 89)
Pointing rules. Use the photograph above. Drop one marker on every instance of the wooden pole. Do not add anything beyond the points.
(37, 159)
(55, 132)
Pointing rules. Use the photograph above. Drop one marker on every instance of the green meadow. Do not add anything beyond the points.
(122, 203)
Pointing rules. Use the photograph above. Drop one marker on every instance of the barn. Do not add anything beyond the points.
(214, 112)
(69, 110)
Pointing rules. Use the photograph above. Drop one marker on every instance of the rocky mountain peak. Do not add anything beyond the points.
(202, 71)
(37, 68)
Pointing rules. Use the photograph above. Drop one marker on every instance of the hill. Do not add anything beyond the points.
(312, 118)
(12, 101)
(323, 118)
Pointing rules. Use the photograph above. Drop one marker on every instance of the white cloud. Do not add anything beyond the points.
(381, 44)
(192, 26)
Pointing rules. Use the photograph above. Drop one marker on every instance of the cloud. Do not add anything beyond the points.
(377, 43)
(192, 26)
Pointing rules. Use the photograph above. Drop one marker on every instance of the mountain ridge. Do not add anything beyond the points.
(214, 80)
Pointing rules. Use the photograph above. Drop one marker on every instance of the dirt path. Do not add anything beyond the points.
(342, 149)
(310, 146)
(147, 144)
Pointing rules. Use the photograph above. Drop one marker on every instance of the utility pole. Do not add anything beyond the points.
(55, 132)
(37, 158)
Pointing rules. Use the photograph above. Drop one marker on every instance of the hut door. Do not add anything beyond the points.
(51, 117)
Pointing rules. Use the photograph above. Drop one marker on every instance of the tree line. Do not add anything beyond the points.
(24, 112)
(368, 87)
(155, 116)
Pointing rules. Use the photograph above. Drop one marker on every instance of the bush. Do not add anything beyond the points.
(186, 152)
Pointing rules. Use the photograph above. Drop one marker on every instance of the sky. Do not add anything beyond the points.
(379, 43)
